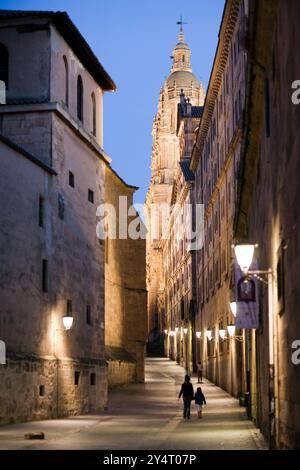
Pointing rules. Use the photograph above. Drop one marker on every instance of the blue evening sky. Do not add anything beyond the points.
(133, 40)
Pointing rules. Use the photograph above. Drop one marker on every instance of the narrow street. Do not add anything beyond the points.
(146, 416)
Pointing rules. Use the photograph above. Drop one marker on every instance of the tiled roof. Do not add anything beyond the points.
(197, 111)
(185, 168)
(22, 13)
(73, 37)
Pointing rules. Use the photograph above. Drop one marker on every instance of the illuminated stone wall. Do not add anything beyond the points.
(125, 293)
(50, 372)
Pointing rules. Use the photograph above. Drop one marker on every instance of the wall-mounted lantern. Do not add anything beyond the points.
(222, 333)
(233, 308)
(209, 335)
(67, 322)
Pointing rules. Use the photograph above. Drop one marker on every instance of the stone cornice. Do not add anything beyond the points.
(64, 115)
(220, 60)
(27, 154)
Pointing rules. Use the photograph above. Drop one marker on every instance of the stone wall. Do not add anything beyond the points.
(273, 223)
(31, 130)
(30, 318)
(269, 215)
(51, 260)
(29, 59)
(121, 373)
(28, 389)
(35, 388)
(125, 291)
(89, 395)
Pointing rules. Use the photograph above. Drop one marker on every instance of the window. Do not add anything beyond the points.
(93, 379)
(88, 315)
(182, 309)
(223, 261)
(66, 82)
(106, 249)
(280, 278)
(71, 179)
(4, 64)
(79, 98)
(61, 206)
(41, 211)
(267, 108)
(91, 196)
(221, 341)
(45, 275)
(235, 52)
(229, 193)
(94, 115)
(42, 390)
(240, 102)
(227, 82)
(69, 307)
(76, 377)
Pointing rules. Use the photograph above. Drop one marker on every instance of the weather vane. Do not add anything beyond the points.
(181, 23)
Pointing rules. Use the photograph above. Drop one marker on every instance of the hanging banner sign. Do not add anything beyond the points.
(246, 295)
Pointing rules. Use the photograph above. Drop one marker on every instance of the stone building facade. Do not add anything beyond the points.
(179, 282)
(125, 287)
(215, 160)
(268, 214)
(165, 161)
(52, 263)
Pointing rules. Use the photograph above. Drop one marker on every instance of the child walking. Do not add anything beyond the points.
(199, 400)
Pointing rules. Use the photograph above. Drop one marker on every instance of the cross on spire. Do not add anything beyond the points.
(181, 23)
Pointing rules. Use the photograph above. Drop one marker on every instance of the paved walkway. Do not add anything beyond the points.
(147, 416)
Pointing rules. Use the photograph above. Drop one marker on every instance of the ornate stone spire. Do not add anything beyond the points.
(181, 53)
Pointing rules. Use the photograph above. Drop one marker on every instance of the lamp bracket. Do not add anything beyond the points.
(239, 338)
(257, 274)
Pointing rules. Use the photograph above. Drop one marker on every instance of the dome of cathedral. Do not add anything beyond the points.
(181, 45)
(182, 78)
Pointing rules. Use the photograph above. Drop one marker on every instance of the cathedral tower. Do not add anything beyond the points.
(165, 159)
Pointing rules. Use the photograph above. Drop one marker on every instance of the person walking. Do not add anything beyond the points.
(187, 393)
(199, 400)
(199, 370)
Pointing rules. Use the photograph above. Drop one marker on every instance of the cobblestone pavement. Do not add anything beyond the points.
(147, 416)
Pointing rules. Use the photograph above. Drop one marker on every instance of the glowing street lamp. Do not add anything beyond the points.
(67, 322)
(222, 333)
(176, 329)
(165, 332)
(231, 329)
(209, 335)
(233, 308)
(198, 334)
(244, 254)
(185, 330)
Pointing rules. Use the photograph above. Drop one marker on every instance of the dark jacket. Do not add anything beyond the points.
(187, 390)
(199, 398)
